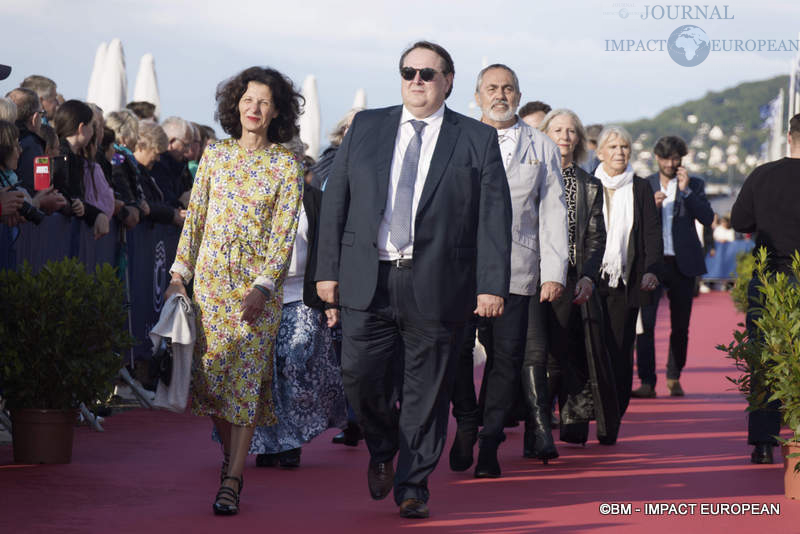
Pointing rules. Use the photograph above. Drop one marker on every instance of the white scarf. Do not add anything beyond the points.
(618, 227)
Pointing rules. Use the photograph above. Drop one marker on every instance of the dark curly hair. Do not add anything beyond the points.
(669, 145)
(284, 96)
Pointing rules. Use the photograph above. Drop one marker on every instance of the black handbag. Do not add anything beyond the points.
(161, 363)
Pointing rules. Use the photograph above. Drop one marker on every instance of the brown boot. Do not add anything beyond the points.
(674, 386)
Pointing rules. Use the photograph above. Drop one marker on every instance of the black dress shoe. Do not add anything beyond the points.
(762, 454)
(645, 391)
(461, 451)
(487, 466)
(290, 458)
(350, 436)
(414, 509)
(380, 479)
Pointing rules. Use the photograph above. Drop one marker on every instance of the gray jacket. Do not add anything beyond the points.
(539, 213)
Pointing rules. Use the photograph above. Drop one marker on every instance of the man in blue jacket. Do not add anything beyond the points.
(681, 200)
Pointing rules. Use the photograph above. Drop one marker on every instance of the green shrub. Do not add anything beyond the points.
(770, 361)
(745, 263)
(62, 330)
(779, 324)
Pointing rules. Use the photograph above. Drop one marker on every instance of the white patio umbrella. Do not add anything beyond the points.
(97, 68)
(113, 87)
(146, 88)
(472, 105)
(310, 119)
(360, 100)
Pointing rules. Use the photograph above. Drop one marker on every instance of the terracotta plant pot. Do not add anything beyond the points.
(43, 436)
(791, 478)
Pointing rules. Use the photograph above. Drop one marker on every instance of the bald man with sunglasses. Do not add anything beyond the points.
(415, 238)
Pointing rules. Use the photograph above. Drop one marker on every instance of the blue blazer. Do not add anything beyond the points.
(462, 228)
(689, 255)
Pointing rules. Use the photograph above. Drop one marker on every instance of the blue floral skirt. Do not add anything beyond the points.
(307, 383)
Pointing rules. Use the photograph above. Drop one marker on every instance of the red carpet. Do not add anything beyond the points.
(154, 472)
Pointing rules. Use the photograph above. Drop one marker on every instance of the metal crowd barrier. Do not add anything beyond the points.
(721, 266)
(143, 256)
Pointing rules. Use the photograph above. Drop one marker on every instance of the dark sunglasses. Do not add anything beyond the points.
(426, 74)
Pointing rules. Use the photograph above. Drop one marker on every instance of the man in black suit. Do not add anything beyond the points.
(415, 236)
(681, 200)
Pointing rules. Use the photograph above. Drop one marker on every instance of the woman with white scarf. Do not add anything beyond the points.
(633, 255)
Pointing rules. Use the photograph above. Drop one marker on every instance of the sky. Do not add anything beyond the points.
(557, 48)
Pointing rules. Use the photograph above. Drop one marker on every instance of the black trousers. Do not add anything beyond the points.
(465, 404)
(502, 377)
(680, 291)
(377, 342)
(765, 423)
(563, 333)
(620, 335)
(503, 338)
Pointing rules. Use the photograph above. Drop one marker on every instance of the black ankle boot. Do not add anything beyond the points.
(578, 433)
(290, 458)
(350, 436)
(488, 466)
(762, 454)
(461, 451)
(538, 441)
(266, 460)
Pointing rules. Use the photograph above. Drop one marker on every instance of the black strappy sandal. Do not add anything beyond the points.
(223, 471)
(227, 500)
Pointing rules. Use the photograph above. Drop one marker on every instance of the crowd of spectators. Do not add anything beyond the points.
(103, 165)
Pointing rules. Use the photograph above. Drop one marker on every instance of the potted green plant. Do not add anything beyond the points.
(63, 330)
(773, 357)
(745, 262)
(744, 351)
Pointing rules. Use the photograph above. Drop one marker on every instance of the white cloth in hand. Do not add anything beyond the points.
(177, 322)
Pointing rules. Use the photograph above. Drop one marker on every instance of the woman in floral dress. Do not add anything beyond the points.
(237, 242)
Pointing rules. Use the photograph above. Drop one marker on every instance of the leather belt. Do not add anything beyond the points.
(399, 263)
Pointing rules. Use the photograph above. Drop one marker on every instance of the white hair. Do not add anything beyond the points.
(612, 131)
(8, 110)
(177, 128)
(579, 153)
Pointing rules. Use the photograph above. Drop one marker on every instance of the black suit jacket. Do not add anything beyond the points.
(646, 244)
(689, 254)
(462, 228)
(590, 231)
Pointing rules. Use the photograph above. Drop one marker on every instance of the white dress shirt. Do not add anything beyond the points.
(386, 250)
(667, 211)
(507, 139)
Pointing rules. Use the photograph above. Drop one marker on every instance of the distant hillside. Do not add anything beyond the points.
(724, 129)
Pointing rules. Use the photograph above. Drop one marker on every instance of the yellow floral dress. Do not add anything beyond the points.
(239, 231)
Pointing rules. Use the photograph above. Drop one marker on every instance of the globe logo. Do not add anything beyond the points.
(688, 46)
(623, 13)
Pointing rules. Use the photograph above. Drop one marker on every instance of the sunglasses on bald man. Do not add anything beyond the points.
(426, 74)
